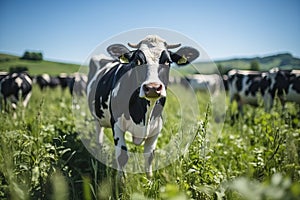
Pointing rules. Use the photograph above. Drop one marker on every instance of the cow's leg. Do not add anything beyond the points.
(120, 149)
(149, 147)
(268, 101)
(282, 102)
(240, 107)
(26, 99)
(99, 132)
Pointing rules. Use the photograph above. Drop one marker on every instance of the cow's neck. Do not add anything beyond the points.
(149, 114)
(142, 111)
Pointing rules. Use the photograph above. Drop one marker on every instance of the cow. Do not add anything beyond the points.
(283, 83)
(77, 84)
(128, 92)
(45, 80)
(2, 75)
(15, 86)
(245, 86)
(65, 80)
(205, 82)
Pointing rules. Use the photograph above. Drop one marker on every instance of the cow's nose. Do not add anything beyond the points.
(153, 90)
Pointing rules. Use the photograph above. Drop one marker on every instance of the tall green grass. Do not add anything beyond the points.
(255, 157)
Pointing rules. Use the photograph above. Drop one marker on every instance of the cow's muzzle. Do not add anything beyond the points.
(153, 90)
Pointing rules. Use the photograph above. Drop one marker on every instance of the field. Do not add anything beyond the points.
(36, 67)
(256, 156)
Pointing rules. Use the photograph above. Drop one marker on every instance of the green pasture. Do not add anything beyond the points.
(255, 156)
(36, 67)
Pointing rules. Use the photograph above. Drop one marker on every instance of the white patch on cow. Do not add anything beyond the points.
(63, 75)
(18, 81)
(14, 75)
(46, 77)
(139, 132)
(152, 46)
(116, 90)
(105, 121)
(26, 100)
(28, 79)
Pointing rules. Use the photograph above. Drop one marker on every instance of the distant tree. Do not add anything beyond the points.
(32, 56)
(254, 65)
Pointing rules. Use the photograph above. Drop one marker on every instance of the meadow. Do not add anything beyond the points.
(256, 156)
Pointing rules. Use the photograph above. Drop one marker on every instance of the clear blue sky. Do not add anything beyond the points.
(70, 30)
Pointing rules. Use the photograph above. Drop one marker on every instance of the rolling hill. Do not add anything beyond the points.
(36, 67)
(283, 61)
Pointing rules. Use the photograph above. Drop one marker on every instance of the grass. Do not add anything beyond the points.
(256, 156)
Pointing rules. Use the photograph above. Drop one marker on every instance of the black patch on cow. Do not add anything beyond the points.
(281, 84)
(116, 141)
(123, 158)
(161, 101)
(254, 87)
(9, 86)
(66, 81)
(138, 107)
(165, 58)
(43, 83)
(239, 81)
(106, 84)
(296, 84)
(138, 57)
(264, 85)
(103, 90)
(124, 148)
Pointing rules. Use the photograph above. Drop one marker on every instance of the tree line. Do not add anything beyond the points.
(32, 56)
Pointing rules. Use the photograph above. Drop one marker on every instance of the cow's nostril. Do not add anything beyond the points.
(153, 90)
(146, 88)
(159, 88)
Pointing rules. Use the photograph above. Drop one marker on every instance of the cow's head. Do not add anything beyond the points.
(153, 53)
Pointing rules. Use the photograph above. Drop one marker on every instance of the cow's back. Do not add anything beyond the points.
(100, 80)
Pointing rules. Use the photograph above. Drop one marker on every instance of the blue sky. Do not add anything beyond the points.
(70, 30)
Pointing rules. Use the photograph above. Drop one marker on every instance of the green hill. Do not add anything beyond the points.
(36, 67)
(282, 61)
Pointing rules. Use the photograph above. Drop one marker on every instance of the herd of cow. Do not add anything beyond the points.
(126, 91)
(18, 86)
(246, 87)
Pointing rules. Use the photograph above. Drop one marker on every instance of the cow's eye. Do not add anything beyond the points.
(167, 62)
(138, 62)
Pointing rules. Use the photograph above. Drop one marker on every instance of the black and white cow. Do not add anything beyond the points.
(128, 93)
(245, 86)
(65, 80)
(15, 86)
(45, 80)
(285, 84)
(2, 75)
(77, 84)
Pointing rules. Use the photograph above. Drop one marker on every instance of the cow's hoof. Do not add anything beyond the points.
(149, 174)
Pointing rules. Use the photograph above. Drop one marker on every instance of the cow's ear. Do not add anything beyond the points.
(117, 50)
(185, 55)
